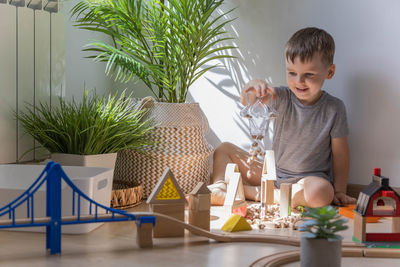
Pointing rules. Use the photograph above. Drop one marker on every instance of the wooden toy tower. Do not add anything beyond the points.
(378, 199)
(235, 191)
(167, 198)
(268, 178)
(199, 206)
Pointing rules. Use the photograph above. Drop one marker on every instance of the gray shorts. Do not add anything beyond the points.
(294, 180)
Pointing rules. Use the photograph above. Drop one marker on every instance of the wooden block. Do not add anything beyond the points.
(382, 252)
(352, 252)
(144, 235)
(167, 190)
(236, 223)
(240, 211)
(395, 224)
(267, 192)
(285, 199)
(165, 228)
(235, 190)
(347, 211)
(200, 202)
(269, 169)
(359, 227)
(200, 188)
(200, 219)
(270, 192)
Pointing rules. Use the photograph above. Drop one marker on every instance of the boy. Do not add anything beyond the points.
(310, 140)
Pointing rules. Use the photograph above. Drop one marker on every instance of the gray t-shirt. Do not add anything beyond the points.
(302, 139)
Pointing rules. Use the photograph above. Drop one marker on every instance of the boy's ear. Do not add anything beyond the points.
(331, 71)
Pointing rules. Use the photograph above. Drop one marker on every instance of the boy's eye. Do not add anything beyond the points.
(291, 73)
(309, 75)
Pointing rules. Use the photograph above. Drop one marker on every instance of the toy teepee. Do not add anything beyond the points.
(167, 198)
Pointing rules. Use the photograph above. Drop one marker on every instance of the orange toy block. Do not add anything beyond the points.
(240, 211)
(348, 211)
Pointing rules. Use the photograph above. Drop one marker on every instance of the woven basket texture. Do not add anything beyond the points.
(125, 195)
(180, 145)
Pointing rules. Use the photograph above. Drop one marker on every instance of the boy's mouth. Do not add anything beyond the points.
(301, 90)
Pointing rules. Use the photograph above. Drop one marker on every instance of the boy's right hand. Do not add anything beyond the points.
(260, 89)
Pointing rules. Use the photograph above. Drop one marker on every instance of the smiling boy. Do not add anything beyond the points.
(310, 141)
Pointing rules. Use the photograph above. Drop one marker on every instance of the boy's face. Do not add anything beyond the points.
(305, 79)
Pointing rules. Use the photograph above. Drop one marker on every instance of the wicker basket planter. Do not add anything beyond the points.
(180, 145)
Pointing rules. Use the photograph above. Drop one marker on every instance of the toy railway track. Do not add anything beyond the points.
(274, 239)
(285, 257)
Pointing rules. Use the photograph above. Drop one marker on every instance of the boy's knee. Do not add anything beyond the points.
(224, 148)
(318, 192)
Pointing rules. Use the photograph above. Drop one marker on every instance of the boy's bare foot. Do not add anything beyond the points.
(218, 193)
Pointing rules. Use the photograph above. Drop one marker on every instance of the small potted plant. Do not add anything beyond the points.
(320, 245)
(89, 132)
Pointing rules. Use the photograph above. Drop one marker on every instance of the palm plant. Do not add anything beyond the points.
(166, 44)
(96, 125)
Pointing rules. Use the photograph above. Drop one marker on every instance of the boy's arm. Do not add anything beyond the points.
(341, 160)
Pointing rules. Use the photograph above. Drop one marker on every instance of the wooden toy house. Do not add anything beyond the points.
(199, 206)
(378, 199)
(167, 198)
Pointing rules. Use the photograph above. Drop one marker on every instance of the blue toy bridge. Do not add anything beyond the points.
(52, 175)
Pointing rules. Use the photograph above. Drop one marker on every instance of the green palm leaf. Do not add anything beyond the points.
(163, 43)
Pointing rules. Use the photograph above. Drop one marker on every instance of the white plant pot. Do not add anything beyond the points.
(100, 160)
(317, 252)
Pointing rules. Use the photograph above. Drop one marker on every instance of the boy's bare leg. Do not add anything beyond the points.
(228, 153)
(315, 192)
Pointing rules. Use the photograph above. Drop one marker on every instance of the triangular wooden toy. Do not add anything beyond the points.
(167, 190)
(236, 223)
(235, 192)
(200, 188)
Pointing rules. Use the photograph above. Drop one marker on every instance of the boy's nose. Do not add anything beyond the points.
(301, 79)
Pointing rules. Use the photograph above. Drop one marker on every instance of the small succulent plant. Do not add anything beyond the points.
(323, 222)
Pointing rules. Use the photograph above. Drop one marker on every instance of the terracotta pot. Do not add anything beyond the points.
(100, 160)
(317, 252)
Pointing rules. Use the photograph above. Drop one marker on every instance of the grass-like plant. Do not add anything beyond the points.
(95, 125)
(323, 222)
(167, 44)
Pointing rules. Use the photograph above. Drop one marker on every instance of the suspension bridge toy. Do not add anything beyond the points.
(95, 182)
(167, 198)
(378, 199)
(53, 176)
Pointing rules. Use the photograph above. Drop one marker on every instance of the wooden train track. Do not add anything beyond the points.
(274, 239)
(285, 257)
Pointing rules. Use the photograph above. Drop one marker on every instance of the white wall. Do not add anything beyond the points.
(82, 72)
(367, 59)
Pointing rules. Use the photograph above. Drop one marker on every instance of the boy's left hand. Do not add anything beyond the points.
(341, 199)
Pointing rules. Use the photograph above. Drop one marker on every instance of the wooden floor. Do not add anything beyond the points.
(114, 244)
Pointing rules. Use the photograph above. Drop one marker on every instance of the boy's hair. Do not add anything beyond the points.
(308, 41)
